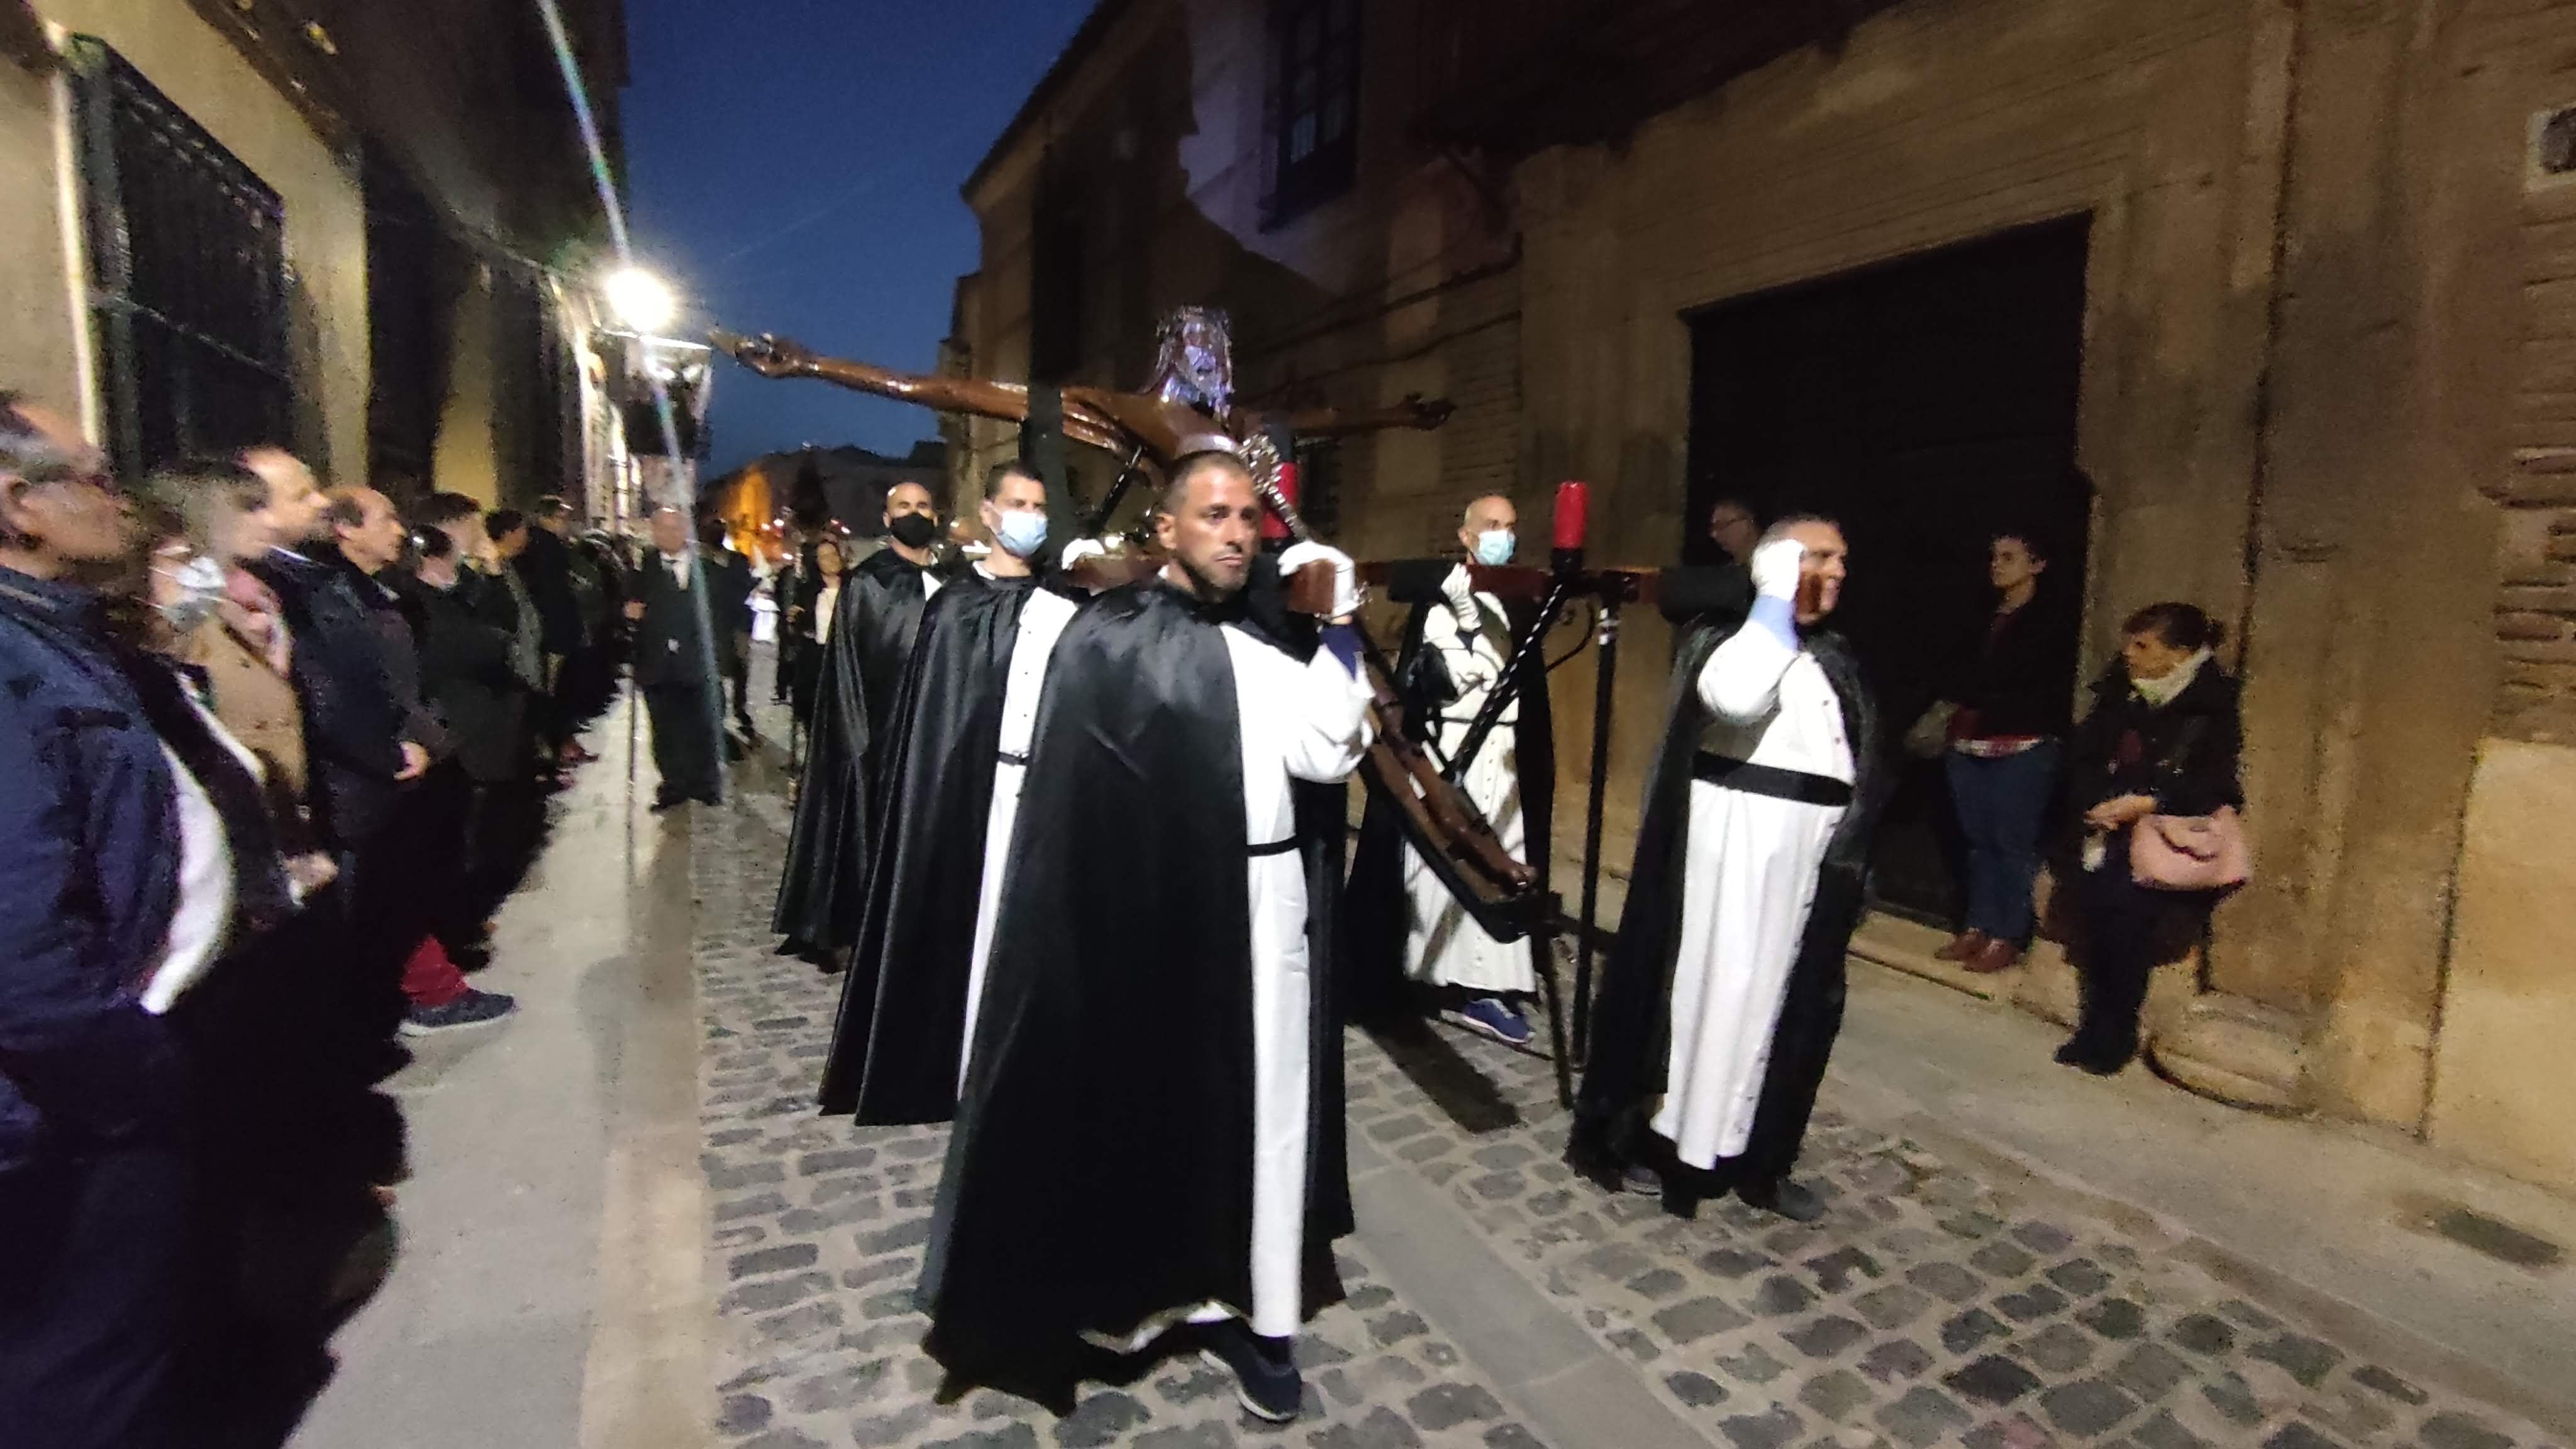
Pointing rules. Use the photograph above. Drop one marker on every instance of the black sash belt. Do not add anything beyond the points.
(1275, 847)
(1011, 759)
(1755, 779)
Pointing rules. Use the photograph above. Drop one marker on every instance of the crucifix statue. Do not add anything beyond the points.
(1189, 404)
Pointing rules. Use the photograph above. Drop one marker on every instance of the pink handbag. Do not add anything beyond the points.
(2189, 852)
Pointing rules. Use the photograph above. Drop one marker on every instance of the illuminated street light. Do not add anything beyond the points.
(641, 300)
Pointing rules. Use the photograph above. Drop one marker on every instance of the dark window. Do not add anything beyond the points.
(188, 281)
(2556, 144)
(1319, 485)
(1318, 45)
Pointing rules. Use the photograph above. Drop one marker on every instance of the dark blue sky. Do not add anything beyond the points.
(793, 167)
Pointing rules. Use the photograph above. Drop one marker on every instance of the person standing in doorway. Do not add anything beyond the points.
(672, 666)
(2008, 713)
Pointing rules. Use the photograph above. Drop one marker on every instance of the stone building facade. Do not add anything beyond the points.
(2319, 376)
(355, 230)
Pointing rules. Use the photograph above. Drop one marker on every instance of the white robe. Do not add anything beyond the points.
(1443, 945)
(1042, 621)
(1752, 863)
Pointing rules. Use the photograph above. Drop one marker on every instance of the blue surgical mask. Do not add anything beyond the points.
(1494, 547)
(1022, 533)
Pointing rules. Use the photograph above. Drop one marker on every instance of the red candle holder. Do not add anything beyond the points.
(1273, 527)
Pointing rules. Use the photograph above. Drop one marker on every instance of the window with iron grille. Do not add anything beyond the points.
(1317, 147)
(188, 283)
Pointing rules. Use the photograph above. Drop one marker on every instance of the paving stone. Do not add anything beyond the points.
(881, 1431)
(2086, 1408)
(1993, 1380)
(1754, 1365)
(2461, 1431)
(774, 1293)
(1397, 1327)
(1839, 1269)
(876, 1272)
(1835, 1396)
(830, 1190)
(1637, 1344)
(799, 1222)
(2079, 1277)
(1733, 1263)
(1499, 1185)
(1781, 1295)
(801, 1322)
(1099, 1420)
(1210, 1435)
(1661, 1283)
(1422, 1149)
(2302, 1357)
(2165, 1432)
(1688, 1323)
(2030, 1304)
(1009, 1436)
(1512, 1436)
(897, 1238)
(816, 1164)
(742, 1414)
(1446, 1406)
(2001, 1260)
(2295, 1435)
(1826, 1337)
(1893, 1306)
(1380, 1428)
(1395, 1127)
(1368, 1297)
(2043, 1237)
(1898, 1358)
(1924, 1416)
(1504, 1154)
(2059, 1349)
(1695, 1389)
(2231, 1396)
(1203, 1381)
(2381, 1381)
(2203, 1334)
(1945, 1280)
(2150, 1371)
(2249, 1315)
(1970, 1329)
(772, 1260)
(858, 1384)
(1619, 1262)
(783, 1439)
(758, 1205)
(2116, 1319)
(1773, 1430)
(751, 1174)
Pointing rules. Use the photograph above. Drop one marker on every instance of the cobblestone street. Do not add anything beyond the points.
(1930, 1307)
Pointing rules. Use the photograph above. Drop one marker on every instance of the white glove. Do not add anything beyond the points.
(1461, 594)
(1346, 579)
(1777, 566)
(1080, 549)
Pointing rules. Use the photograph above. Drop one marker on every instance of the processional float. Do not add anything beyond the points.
(1189, 406)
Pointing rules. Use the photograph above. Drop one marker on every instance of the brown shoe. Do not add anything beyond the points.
(1965, 946)
(1997, 956)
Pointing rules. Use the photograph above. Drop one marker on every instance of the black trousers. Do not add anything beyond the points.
(1811, 1017)
(737, 673)
(684, 740)
(2122, 922)
(89, 1306)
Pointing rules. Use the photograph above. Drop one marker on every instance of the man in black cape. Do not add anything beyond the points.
(1150, 1130)
(955, 755)
(823, 883)
(1750, 877)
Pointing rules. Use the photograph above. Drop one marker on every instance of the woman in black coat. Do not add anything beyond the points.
(2162, 739)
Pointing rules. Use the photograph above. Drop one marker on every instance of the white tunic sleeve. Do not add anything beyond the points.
(1741, 681)
(1469, 658)
(1329, 730)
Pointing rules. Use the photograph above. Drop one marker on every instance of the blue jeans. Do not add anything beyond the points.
(2001, 803)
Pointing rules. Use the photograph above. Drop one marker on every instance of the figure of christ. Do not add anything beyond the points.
(1189, 406)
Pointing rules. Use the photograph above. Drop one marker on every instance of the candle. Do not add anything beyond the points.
(1272, 527)
(1573, 504)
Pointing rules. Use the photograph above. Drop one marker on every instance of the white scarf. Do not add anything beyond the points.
(2162, 692)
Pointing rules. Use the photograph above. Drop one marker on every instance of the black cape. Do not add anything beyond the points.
(902, 1022)
(1100, 1172)
(1631, 1037)
(1377, 911)
(822, 885)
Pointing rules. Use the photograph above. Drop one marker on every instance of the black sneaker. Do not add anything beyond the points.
(1264, 1369)
(474, 1008)
(1784, 1198)
(1639, 1180)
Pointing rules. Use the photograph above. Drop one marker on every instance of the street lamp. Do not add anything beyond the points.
(640, 300)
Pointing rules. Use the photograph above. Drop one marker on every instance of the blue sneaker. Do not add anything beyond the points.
(1488, 1016)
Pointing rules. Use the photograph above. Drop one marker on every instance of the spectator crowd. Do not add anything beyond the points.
(271, 757)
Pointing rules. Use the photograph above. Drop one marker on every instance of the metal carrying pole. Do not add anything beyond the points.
(1608, 668)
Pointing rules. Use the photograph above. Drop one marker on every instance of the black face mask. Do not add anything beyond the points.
(913, 530)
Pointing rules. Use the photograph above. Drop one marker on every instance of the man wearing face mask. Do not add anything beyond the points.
(1462, 644)
(873, 626)
(950, 782)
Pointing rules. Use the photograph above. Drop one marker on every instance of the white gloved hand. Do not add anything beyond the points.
(1777, 566)
(1460, 591)
(1080, 549)
(1346, 580)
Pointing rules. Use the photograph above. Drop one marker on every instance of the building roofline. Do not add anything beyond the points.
(1096, 26)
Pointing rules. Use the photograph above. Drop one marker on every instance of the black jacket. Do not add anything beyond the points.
(2184, 754)
(671, 639)
(360, 694)
(2015, 676)
(465, 669)
(545, 566)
